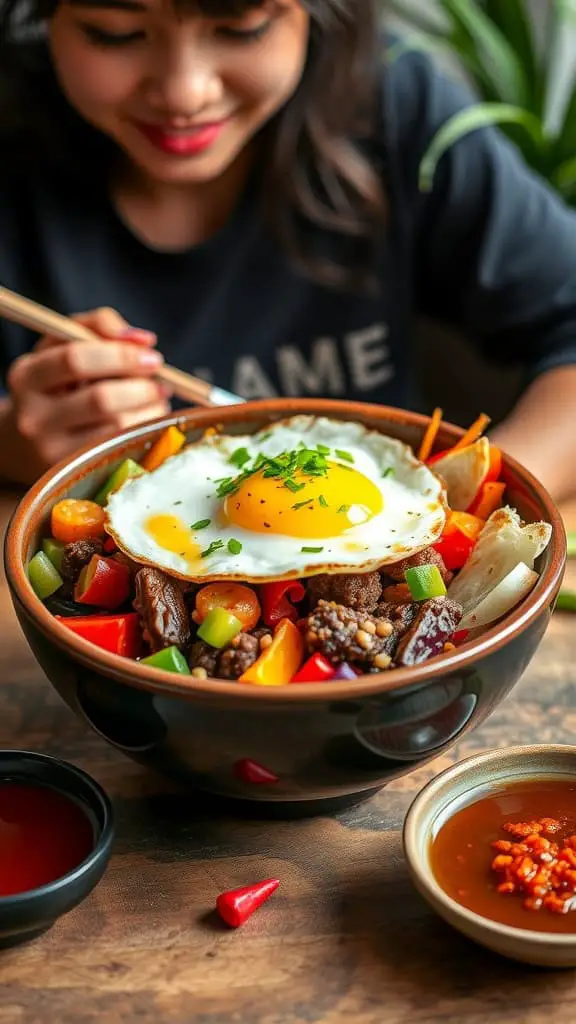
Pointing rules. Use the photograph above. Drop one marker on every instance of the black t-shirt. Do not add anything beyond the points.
(490, 249)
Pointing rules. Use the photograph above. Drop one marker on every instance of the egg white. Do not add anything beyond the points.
(184, 486)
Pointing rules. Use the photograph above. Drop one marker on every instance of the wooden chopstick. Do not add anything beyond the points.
(46, 321)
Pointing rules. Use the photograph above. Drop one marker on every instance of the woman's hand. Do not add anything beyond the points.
(69, 394)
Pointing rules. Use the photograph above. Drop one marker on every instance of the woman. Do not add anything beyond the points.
(240, 179)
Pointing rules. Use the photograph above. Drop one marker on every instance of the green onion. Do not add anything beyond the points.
(343, 508)
(55, 551)
(322, 449)
(234, 546)
(169, 659)
(240, 457)
(346, 456)
(323, 501)
(425, 582)
(566, 601)
(312, 551)
(219, 627)
(293, 486)
(214, 546)
(301, 504)
(201, 524)
(45, 579)
(389, 472)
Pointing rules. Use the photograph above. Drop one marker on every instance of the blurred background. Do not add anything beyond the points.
(509, 52)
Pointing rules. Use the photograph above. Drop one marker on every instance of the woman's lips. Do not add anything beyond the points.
(181, 143)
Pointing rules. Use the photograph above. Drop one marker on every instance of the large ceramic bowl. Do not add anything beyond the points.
(327, 744)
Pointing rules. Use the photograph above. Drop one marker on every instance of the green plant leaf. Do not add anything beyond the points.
(413, 16)
(565, 144)
(493, 52)
(564, 176)
(513, 19)
(482, 115)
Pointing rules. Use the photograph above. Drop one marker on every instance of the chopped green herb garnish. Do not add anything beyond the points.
(301, 504)
(323, 501)
(266, 436)
(240, 457)
(322, 449)
(346, 456)
(389, 472)
(234, 546)
(201, 524)
(293, 486)
(177, 503)
(312, 551)
(214, 546)
(344, 508)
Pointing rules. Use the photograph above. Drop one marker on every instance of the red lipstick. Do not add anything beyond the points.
(181, 143)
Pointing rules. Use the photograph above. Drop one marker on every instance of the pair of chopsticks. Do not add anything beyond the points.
(45, 321)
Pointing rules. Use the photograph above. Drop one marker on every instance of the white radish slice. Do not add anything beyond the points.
(464, 471)
(502, 599)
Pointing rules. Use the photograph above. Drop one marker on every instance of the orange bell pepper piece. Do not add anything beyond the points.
(280, 661)
(489, 499)
(169, 443)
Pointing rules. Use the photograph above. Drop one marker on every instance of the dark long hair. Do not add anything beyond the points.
(320, 178)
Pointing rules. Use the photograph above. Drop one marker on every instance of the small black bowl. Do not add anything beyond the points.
(27, 915)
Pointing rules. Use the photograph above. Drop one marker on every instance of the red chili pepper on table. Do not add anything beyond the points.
(119, 634)
(103, 583)
(237, 905)
(317, 669)
(276, 600)
(250, 771)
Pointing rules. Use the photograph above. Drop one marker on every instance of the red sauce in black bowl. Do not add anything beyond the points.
(44, 835)
(510, 855)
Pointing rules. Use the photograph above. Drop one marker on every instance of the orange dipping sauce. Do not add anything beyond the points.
(43, 836)
(532, 825)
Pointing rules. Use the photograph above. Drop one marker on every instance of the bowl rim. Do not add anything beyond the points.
(420, 867)
(156, 681)
(103, 842)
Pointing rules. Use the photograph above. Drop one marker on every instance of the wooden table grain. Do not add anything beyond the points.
(345, 938)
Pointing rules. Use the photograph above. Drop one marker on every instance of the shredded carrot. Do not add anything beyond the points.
(473, 432)
(430, 435)
(167, 444)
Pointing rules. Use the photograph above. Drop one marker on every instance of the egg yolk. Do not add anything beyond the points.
(321, 506)
(172, 534)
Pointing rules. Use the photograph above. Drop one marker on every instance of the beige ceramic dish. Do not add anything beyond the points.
(449, 791)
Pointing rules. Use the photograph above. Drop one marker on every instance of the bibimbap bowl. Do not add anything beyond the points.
(302, 747)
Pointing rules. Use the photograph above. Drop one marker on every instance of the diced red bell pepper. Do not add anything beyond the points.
(237, 905)
(455, 549)
(110, 546)
(103, 583)
(276, 600)
(459, 637)
(317, 669)
(250, 771)
(119, 634)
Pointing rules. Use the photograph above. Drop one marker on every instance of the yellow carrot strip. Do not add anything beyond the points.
(430, 435)
(473, 432)
(167, 444)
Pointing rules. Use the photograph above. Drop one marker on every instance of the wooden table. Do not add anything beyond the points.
(345, 939)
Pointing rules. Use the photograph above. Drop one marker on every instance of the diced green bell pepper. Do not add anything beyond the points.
(219, 627)
(170, 659)
(425, 582)
(125, 471)
(55, 550)
(45, 579)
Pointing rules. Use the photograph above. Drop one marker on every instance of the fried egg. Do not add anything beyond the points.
(307, 495)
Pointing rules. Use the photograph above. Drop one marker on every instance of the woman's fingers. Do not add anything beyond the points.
(59, 366)
(102, 402)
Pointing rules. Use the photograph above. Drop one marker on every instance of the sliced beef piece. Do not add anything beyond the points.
(427, 557)
(160, 604)
(232, 661)
(76, 555)
(433, 625)
(354, 590)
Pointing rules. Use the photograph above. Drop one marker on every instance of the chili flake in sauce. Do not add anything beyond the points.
(510, 852)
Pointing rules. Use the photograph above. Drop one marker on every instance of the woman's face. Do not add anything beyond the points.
(182, 95)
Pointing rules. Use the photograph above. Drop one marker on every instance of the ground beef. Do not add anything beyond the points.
(232, 661)
(434, 624)
(354, 590)
(345, 634)
(76, 555)
(160, 604)
(427, 557)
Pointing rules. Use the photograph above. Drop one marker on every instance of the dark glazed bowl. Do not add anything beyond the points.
(27, 915)
(327, 744)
